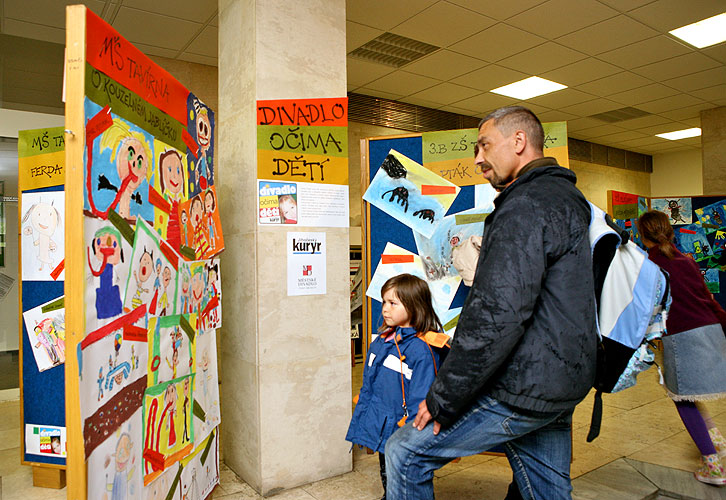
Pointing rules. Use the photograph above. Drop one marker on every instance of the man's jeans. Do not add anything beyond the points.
(538, 446)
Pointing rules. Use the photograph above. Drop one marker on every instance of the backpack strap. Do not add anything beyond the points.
(596, 417)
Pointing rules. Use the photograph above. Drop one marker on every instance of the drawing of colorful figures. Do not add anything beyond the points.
(164, 487)
(712, 217)
(201, 229)
(450, 234)
(712, 280)
(200, 125)
(410, 193)
(169, 190)
(168, 425)
(153, 273)
(200, 293)
(206, 387)
(43, 238)
(678, 210)
(692, 241)
(46, 329)
(200, 473)
(117, 463)
(171, 348)
(118, 166)
(112, 362)
(396, 260)
(108, 256)
(212, 310)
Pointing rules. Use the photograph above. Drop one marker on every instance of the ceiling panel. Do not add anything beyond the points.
(561, 98)
(359, 34)
(498, 10)
(643, 121)
(666, 15)
(643, 94)
(362, 72)
(623, 136)
(712, 93)
(444, 65)
(402, 82)
(446, 93)
(687, 112)
(379, 93)
(443, 24)
(676, 66)
(559, 17)
(599, 131)
(497, 42)
(199, 12)
(205, 44)
(51, 13)
(717, 52)
(384, 14)
(541, 58)
(592, 107)
(581, 72)
(555, 116)
(699, 80)
(485, 102)
(645, 52)
(613, 84)
(600, 37)
(670, 103)
(490, 77)
(155, 29)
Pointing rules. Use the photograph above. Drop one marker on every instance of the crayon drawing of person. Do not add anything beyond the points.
(170, 397)
(171, 179)
(209, 205)
(204, 139)
(185, 292)
(141, 276)
(196, 211)
(124, 470)
(45, 335)
(184, 228)
(106, 247)
(185, 436)
(212, 292)
(44, 219)
(197, 288)
(164, 300)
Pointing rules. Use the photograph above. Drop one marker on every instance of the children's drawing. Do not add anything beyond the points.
(168, 425)
(171, 348)
(200, 293)
(161, 487)
(43, 239)
(201, 470)
(712, 217)
(212, 312)
(449, 320)
(117, 463)
(450, 233)
(119, 169)
(153, 273)
(200, 125)
(712, 279)
(692, 241)
(396, 260)
(410, 193)
(46, 329)
(206, 386)
(203, 229)
(112, 362)
(171, 186)
(107, 257)
(678, 210)
(631, 226)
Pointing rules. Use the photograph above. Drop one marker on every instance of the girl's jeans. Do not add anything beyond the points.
(538, 446)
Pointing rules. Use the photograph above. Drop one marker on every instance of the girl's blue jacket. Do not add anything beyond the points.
(380, 405)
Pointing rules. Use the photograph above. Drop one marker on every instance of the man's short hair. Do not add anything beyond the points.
(509, 119)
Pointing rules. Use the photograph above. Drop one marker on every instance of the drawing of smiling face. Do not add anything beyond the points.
(196, 211)
(44, 219)
(109, 246)
(197, 289)
(123, 452)
(171, 168)
(145, 267)
(132, 160)
(204, 131)
(166, 276)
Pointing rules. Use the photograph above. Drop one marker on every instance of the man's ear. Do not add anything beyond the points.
(520, 141)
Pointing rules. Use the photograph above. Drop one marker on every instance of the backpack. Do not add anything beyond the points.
(632, 295)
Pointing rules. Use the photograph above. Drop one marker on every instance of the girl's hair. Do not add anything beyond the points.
(654, 226)
(415, 296)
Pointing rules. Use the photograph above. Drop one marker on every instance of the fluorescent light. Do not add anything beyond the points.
(681, 134)
(529, 88)
(703, 33)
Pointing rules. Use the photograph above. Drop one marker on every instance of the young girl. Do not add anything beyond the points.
(400, 365)
(694, 349)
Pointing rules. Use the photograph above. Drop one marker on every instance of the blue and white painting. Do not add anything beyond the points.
(712, 217)
(678, 210)
(691, 240)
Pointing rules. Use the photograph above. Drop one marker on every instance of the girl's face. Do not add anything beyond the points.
(288, 209)
(394, 314)
(173, 180)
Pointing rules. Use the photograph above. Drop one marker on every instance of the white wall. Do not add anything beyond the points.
(677, 174)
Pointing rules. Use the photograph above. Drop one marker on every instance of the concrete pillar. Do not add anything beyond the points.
(285, 379)
(713, 148)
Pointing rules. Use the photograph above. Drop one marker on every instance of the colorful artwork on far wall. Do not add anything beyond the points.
(678, 210)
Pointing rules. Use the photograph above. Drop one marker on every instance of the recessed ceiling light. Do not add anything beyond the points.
(703, 33)
(529, 88)
(681, 134)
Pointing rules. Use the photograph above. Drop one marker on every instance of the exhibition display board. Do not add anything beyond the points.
(143, 294)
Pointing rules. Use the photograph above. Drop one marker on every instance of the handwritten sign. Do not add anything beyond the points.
(303, 140)
(41, 158)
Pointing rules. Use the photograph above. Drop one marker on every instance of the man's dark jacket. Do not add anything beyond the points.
(527, 334)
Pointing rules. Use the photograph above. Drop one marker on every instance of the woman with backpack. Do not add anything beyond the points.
(694, 347)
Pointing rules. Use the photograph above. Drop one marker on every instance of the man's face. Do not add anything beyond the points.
(496, 155)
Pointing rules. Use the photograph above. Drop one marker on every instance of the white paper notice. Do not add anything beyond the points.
(306, 264)
(45, 440)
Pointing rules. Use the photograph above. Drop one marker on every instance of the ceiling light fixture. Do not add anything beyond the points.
(528, 88)
(681, 134)
(703, 33)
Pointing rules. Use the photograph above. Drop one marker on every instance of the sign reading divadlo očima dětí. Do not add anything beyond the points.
(306, 264)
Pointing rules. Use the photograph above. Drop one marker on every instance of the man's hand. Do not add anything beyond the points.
(423, 417)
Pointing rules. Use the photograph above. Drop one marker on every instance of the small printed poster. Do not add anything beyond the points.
(302, 203)
(306, 264)
(45, 440)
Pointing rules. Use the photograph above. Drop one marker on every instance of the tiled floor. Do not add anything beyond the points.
(642, 445)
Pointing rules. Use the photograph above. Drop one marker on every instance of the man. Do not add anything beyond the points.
(524, 351)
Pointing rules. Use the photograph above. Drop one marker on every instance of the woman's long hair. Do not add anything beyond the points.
(655, 226)
(415, 296)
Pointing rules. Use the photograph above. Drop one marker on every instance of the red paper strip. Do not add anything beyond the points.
(327, 112)
(98, 124)
(156, 199)
(428, 190)
(687, 231)
(135, 333)
(211, 305)
(117, 324)
(620, 198)
(113, 55)
(58, 269)
(396, 259)
(170, 254)
(190, 142)
(155, 458)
